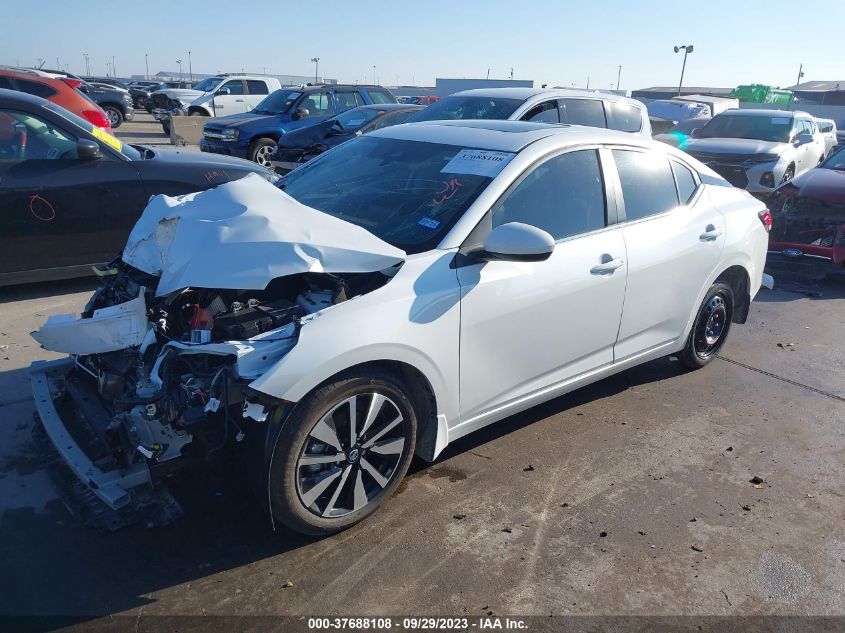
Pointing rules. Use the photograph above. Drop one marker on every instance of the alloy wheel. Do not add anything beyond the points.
(350, 455)
(262, 155)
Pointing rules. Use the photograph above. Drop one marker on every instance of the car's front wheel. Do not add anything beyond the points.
(115, 116)
(261, 150)
(343, 452)
(710, 328)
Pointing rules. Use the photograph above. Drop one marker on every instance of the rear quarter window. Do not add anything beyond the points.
(687, 183)
(34, 88)
(589, 112)
(381, 96)
(623, 117)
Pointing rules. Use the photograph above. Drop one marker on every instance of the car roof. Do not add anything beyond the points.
(527, 93)
(15, 97)
(502, 136)
(763, 112)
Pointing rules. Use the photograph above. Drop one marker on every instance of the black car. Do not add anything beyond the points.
(116, 103)
(300, 146)
(70, 193)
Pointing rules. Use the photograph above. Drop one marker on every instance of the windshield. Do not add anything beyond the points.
(774, 129)
(277, 102)
(835, 161)
(127, 150)
(356, 118)
(686, 127)
(207, 85)
(408, 193)
(467, 108)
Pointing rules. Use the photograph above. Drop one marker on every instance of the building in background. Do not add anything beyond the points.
(820, 92)
(667, 92)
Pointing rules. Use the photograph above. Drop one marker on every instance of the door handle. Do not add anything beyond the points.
(607, 266)
(710, 233)
(239, 100)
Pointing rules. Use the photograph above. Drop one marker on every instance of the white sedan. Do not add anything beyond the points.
(392, 295)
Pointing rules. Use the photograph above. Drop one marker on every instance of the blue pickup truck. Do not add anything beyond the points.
(254, 135)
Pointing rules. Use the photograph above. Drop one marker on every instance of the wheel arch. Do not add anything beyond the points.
(739, 280)
(198, 110)
(113, 104)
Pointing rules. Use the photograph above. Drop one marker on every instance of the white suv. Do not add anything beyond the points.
(541, 105)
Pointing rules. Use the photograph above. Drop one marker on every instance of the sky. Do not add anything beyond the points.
(411, 42)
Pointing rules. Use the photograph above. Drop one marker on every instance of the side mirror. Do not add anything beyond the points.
(518, 242)
(87, 150)
(222, 92)
(301, 113)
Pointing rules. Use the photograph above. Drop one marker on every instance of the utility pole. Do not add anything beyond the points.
(511, 73)
(179, 61)
(687, 50)
(488, 73)
(800, 74)
(619, 78)
(190, 67)
(113, 69)
(147, 64)
(588, 82)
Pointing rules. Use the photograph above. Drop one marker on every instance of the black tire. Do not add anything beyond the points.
(710, 327)
(196, 113)
(114, 114)
(260, 151)
(292, 483)
(165, 126)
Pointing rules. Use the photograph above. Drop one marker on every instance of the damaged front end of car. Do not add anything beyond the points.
(161, 359)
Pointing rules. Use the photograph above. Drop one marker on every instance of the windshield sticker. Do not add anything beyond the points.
(429, 223)
(477, 162)
(107, 138)
(780, 120)
(450, 188)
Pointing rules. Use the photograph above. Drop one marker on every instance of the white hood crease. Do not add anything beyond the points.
(242, 235)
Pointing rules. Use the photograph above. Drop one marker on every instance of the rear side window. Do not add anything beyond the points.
(381, 96)
(256, 87)
(648, 185)
(623, 117)
(346, 100)
(686, 181)
(589, 112)
(545, 112)
(35, 88)
(563, 196)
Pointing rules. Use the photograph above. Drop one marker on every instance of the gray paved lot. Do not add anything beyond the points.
(144, 129)
(590, 504)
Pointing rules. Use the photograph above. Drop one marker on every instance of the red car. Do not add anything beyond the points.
(809, 216)
(60, 90)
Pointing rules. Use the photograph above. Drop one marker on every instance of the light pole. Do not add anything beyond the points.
(687, 48)
(190, 67)
(87, 66)
(113, 69)
(179, 61)
(619, 78)
(147, 63)
(375, 81)
(316, 61)
(800, 74)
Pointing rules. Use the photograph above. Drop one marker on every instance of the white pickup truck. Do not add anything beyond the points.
(213, 96)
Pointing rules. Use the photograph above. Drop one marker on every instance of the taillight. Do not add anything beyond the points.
(766, 219)
(98, 118)
(73, 83)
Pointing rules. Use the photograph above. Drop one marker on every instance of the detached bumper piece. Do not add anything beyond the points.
(103, 495)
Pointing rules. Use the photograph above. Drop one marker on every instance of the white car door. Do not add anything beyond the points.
(229, 98)
(672, 248)
(257, 90)
(528, 326)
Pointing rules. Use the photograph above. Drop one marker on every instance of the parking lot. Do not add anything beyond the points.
(144, 129)
(629, 497)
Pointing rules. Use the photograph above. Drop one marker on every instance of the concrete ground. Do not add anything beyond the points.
(629, 497)
(144, 129)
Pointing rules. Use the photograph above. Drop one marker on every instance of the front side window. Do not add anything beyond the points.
(408, 193)
(589, 112)
(457, 107)
(235, 87)
(623, 116)
(564, 196)
(256, 87)
(27, 137)
(317, 104)
(648, 185)
(545, 112)
(348, 99)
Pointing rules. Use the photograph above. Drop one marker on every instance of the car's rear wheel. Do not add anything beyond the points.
(342, 453)
(261, 150)
(710, 328)
(115, 116)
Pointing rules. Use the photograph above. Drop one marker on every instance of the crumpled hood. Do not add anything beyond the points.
(186, 95)
(244, 234)
(820, 183)
(735, 146)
